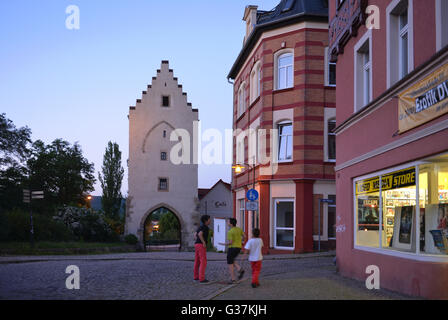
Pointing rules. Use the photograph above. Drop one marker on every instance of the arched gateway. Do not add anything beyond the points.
(162, 229)
(154, 180)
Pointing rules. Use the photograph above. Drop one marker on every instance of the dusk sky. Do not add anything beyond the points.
(78, 84)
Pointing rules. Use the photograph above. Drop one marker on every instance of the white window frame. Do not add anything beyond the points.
(393, 43)
(417, 255)
(277, 56)
(441, 24)
(242, 99)
(255, 82)
(284, 123)
(327, 70)
(329, 114)
(275, 200)
(360, 70)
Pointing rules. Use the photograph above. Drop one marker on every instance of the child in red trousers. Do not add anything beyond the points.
(253, 246)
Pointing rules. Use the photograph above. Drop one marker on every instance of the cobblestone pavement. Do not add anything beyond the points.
(169, 276)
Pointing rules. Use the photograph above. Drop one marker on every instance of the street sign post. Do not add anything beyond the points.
(252, 195)
(37, 195)
(329, 201)
(26, 196)
(252, 205)
(29, 195)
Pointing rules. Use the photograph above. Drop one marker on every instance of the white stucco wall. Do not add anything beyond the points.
(146, 125)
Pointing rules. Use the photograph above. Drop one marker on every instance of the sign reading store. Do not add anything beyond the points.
(394, 180)
(424, 101)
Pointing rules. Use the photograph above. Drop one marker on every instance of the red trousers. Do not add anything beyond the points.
(256, 268)
(200, 261)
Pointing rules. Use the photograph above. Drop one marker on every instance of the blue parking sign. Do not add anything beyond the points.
(252, 195)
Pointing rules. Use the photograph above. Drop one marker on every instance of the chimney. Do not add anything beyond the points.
(250, 17)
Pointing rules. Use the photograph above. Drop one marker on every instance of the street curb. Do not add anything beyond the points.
(266, 258)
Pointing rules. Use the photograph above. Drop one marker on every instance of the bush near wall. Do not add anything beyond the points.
(16, 226)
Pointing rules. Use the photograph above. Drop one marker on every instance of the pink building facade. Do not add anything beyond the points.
(392, 142)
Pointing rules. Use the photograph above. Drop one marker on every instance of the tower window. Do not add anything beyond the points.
(163, 184)
(163, 156)
(165, 101)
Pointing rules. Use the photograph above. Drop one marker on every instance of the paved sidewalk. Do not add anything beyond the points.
(315, 281)
(177, 256)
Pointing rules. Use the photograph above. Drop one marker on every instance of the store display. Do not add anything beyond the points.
(404, 228)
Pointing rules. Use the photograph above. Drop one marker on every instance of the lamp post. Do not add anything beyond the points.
(239, 168)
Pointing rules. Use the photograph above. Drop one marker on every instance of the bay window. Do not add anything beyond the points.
(285, 141)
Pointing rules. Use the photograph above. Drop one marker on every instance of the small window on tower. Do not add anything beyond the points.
(165, 101)
(164, 133)
(163, 184)
(163, 156)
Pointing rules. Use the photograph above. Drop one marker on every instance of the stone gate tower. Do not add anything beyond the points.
(154, 180)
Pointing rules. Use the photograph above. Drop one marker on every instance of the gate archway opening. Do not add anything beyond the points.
(162, 231)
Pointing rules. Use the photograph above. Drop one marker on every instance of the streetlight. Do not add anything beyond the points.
(89, 198)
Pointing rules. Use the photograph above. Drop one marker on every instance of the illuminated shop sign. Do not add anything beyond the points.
(424, 101)
(394, 180)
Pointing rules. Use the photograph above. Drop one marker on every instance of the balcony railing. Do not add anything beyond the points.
(349, 17)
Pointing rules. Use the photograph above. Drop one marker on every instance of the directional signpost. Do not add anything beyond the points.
(27, 197)
(37, 195)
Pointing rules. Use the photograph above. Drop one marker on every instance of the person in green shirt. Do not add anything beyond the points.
(235, 239)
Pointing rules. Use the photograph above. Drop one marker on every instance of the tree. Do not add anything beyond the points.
(14, 150)
(61, 171)
(168, 222)
(111, 180)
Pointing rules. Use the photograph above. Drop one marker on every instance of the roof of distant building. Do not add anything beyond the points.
(285, 13)
(202, 192)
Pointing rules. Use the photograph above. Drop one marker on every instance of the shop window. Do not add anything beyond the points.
(390, 207)
(285, 141)
(284, 224)
(388, 210)
(433, 189)
(399, 40)
(331, 217)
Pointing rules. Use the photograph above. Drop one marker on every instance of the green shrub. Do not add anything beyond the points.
(131, 239)
(18, 225)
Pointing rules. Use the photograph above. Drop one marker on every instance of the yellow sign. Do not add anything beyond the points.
(394, 180)
(424, 101)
